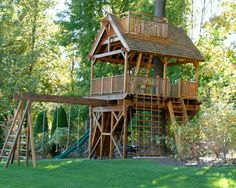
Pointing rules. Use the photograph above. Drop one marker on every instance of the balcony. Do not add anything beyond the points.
(144, 86)
(144, 24)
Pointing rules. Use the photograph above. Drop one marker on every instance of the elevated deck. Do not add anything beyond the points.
(144, 86)
(142, 24)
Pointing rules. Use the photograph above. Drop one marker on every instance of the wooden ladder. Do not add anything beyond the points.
(178, 114)
(19, 137)
(147, 124)
(177, 111)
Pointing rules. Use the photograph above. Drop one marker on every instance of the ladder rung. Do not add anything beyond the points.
(148, 127)
(158, 133)
(23, 143)
(12, 135)
(178, 112)
(7, 150)
(4, 157)
(23, 157)
(22, 149)
(149, 115)
(9, 143)
(149, 120)
(148, 109)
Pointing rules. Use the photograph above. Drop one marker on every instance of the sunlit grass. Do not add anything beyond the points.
(114, 173)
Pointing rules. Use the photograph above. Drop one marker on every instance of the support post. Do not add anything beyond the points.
(129, 17)
(92, 76)
(31, 134)
(90, 130)
(125, 73)
(19, 137)
(180, 88)
(27, 146)
(125, 126)
(165, 77)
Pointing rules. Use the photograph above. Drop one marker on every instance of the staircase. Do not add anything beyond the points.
(177, 111)
(147, 125)
(17, 142)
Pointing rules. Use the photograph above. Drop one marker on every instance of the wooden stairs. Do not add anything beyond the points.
(177, 111)
(19, 136)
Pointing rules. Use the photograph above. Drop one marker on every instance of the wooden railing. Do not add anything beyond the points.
(143, 85)
(107, 85)
(144, 24)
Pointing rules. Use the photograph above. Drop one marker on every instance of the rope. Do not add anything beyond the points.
(78, 131)
(68, 134)
(44, 118)
(56, 127)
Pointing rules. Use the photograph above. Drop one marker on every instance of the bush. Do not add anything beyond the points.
(59, 139)
(62, 119)
(185, 139)
(38, 127)
(219, 130)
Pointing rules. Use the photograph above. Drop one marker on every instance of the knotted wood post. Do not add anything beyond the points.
(125, 87)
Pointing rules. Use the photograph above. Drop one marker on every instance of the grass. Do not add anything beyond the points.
(114, 173)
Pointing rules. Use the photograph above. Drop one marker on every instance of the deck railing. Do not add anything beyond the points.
(143, 85)
(144, 24)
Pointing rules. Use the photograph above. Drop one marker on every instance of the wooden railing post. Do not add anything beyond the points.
(92, 77)
(165, 76)
(129, 17)
(125, 72)
(111, 84)
(102, 85)
(180, 88)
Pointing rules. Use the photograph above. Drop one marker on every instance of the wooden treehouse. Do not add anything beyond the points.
(129, 113)
(141, 103)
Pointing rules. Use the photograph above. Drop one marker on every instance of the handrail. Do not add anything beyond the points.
(144, 85)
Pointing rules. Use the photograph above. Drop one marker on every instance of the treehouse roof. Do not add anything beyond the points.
(175, 43)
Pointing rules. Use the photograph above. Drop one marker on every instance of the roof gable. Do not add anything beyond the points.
(178, 44)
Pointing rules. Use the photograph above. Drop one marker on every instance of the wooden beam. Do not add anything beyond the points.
(106, 54)
(125, 126)
(165, 76)
(62, 99)
(90, 129)
(149, 65)
(138, 64)
(126, 73)
(30, 124)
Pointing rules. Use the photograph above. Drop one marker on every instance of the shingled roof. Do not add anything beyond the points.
(179, 45)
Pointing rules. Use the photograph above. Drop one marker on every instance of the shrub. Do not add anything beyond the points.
(184, 139)
(40, 122)
(219, 130)
(62, 119)
(59, 139)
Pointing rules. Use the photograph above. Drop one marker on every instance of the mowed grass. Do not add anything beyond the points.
(114, 173)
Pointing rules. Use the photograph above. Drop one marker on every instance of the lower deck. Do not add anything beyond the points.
(136, 125)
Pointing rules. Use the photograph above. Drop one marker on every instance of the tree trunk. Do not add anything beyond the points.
(159, 10)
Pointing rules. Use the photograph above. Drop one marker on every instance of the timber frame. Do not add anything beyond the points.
(14, 145)
(140, 117)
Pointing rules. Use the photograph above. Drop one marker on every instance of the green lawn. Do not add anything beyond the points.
(114, 173)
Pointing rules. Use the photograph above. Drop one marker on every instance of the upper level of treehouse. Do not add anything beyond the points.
(144, 47)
